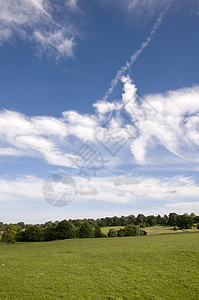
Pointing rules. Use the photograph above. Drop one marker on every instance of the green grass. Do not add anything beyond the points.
(153, 230)
(147, 267)
(106, 229)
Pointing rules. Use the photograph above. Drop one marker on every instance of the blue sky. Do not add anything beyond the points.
(116, 78)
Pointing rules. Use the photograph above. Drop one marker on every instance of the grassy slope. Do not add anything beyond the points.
(152, 230)
(146, 267)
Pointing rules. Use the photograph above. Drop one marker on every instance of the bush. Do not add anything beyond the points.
(185, 221)
(104, 235)
(143, 232)
(131, 230)
(8, 237)
(112, 233)
(85, 231)
(50, 233)
(33, 233)
(97, 232)
(65, 230)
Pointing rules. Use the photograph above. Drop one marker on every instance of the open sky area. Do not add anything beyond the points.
(99, 108)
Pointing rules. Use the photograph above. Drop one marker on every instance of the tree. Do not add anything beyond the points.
(140, 219)
(112, 233)
(65, 230)
(12, 228)
(8, 237)
(50, 232)
(33, 234)
(97, 232)
(131, 230)
(172, 219)
(131, 220)
(85, 231)
(185, 221)
(151, 220)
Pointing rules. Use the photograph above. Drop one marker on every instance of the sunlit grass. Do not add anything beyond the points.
(146, 267)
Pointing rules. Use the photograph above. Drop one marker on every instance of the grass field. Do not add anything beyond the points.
(146, 267)
(153, 230)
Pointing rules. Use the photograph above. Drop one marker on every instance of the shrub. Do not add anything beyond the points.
(143, 232)
(8, 237)
(131, 230)
(85, 231)
(65, 230)
(33, 233)
(97, 232)
(50, 233)
(112, 233)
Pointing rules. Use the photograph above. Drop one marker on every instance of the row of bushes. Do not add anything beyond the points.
(129, 230)
(65, 230)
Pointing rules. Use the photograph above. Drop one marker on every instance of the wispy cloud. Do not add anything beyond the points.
(137, 53)
(111, 190)
(160, 125)
(73, 4)
(33, 20)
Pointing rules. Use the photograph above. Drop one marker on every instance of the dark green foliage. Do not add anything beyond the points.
(8, 237)
(33, 234)
(88, 228)
(120, 232)
(185, 221)
(151, 220)
(131, 230)
(143, 232)
(140, 219)
(65, 230)
(97, 232)
(50, 232)
(85, 231)
(172, 219)
(112, 233)
(104, 235)
(20, 236)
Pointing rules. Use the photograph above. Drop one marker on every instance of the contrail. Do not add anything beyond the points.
(137, 53)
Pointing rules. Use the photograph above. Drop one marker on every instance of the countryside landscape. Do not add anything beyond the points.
(99, 150)
(80, 260)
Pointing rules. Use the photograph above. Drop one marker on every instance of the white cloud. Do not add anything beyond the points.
(170, 120)
(56, 43)
(32, 20)
(72, 4)
(137, 191)
(159, 125)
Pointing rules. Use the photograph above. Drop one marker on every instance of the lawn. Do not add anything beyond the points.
(147, 267)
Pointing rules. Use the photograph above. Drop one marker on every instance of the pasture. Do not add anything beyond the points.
(144, 267)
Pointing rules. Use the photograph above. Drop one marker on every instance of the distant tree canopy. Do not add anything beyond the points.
(85, 231)
(8, 237)
(89, 228)
(65, 230)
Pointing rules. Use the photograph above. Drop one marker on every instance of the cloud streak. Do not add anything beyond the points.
(137, 53)
(33, 20)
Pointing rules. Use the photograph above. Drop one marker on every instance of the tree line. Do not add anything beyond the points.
(90, 228)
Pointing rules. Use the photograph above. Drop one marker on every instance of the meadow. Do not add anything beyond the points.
(164, 266)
